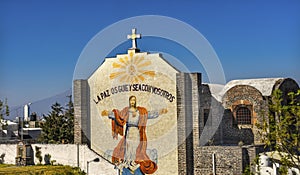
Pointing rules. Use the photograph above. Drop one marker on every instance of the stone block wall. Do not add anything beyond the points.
(228, 160)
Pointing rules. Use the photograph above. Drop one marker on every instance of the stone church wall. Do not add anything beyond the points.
(229, 132)
(246, 96)
(221, 117)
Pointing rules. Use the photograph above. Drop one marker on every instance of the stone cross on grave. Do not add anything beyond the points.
(133, 37)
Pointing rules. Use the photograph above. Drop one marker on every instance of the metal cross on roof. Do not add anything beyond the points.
(133, 37)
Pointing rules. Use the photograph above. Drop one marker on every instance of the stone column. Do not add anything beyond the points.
(188, 86)
(81, 111)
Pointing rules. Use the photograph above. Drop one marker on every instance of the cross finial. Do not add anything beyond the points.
(133, 37)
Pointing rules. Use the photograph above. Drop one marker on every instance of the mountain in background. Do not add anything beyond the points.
(40, 107)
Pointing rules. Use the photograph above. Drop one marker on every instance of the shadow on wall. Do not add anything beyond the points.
(2, 158)
(229, 132)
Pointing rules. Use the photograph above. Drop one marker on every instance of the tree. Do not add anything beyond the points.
(69, 121)
(38, 154)
(280, 130)
(59, 126)
(4, 109)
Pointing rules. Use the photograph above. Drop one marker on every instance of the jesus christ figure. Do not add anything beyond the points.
(130, 153)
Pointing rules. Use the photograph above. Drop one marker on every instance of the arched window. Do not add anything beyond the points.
(243, 116)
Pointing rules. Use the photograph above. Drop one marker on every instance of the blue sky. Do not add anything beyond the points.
(40, 41)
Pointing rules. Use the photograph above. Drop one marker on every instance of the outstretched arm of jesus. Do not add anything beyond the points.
(155, 114)
(110, 114)
(151, 114)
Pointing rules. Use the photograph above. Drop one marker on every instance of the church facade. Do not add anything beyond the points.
(144, 116)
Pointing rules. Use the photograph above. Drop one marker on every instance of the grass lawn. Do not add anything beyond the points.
(39, 170)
